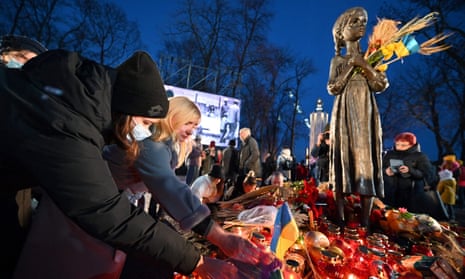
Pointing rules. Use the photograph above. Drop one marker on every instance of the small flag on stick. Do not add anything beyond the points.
(285, 232)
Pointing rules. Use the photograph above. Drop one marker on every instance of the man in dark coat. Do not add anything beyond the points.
(230, 161)
(249, 158)
(16, 206)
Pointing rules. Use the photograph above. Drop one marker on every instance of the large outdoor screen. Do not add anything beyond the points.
(220, 115)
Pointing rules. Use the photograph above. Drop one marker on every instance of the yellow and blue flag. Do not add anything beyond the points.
(285, 232)
(407, 46)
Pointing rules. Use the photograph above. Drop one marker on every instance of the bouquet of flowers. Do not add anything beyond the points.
(307, 192)
(388, 43)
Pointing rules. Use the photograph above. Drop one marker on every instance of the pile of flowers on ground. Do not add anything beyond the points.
(319, 199)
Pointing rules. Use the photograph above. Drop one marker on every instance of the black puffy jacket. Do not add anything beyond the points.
(399, 189)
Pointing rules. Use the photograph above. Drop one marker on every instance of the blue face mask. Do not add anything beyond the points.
(13, 64)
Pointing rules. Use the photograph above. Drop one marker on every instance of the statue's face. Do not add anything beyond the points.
(355, 27)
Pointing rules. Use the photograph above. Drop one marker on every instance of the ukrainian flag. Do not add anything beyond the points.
(285, 232)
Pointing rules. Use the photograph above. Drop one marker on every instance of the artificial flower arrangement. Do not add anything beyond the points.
(388, 43)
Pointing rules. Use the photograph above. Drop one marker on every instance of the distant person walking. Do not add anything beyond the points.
(268, 165)
(249, 158)
(210, 157)
(230, 163)
(194, 161)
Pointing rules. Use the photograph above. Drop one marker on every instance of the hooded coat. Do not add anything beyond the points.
(53, 113)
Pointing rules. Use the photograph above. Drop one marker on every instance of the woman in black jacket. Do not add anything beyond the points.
(405, 170)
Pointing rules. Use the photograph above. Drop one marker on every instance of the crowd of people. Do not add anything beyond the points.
(112, 141)
(87, 135)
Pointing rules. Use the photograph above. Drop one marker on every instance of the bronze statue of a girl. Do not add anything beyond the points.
(356, 149)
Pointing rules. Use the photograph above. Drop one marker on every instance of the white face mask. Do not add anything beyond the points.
(13, 64)
(140, 132)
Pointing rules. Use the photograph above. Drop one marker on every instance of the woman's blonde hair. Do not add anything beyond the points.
(181, 111)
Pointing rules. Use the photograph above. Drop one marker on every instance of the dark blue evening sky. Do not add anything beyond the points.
(303, 26)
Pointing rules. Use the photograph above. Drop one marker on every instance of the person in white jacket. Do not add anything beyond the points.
(285, 163)
(209, 187)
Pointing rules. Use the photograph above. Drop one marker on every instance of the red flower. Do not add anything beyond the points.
(308, 195)
(376, 215)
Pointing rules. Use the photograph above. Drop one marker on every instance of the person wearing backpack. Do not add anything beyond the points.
(285, 163)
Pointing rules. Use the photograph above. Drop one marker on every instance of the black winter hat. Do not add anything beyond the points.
(139, 89)
(15, 42)
(232, 142)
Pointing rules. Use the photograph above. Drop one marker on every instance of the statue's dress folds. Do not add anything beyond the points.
(356, 147)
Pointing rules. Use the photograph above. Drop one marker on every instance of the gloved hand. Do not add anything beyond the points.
(210, 268)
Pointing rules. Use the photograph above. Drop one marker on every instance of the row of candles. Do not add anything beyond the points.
(329, 252)
(339, 254)
(352, 254)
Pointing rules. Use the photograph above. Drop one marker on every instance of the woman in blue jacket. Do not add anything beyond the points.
(147, 163)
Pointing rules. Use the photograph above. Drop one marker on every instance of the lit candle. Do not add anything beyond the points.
(290, 270)
(287, 274)
(311, 220)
